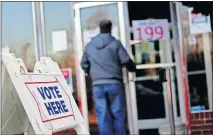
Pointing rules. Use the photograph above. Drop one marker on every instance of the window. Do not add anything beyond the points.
(198, 50)
(197, 74)
(17, 31)
(58, 26)
(17, 34)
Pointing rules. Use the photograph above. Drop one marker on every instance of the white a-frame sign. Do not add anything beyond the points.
(41, 100)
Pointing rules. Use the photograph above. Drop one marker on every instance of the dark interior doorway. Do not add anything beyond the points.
(139, 10)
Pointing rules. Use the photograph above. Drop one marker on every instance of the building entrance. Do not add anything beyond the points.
(146, 98)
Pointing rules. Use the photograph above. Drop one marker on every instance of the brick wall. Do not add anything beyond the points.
(202, 123)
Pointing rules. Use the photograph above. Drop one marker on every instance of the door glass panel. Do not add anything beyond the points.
(149, 91)
(150, 99)
(90, 18)
(147, 53)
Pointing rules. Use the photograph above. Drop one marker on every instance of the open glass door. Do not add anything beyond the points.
(86, 19)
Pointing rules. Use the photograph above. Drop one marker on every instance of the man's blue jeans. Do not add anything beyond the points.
(110, 108)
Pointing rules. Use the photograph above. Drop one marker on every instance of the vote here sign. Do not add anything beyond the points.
(52, 100)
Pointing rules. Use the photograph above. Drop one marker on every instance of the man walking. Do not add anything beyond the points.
(103, 59)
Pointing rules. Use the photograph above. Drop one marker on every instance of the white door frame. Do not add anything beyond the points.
(124, 37)
(156, 123)
(208, 66)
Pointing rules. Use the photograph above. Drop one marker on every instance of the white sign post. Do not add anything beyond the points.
(150, 30)
(45, 96)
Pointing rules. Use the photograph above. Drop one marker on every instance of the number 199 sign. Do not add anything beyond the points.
(149, 30)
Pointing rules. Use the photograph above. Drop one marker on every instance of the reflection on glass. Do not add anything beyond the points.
(149, 91)
(195, 56)
(150, 99)
(17, 31)
(90, 18)
(147, 52)
(57, 17)
(197, 75)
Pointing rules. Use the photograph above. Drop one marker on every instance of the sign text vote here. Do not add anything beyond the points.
(52, 100)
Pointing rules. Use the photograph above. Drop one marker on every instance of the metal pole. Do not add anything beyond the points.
(170, 103)
(38, 25)
(1, 66)
(177, 60)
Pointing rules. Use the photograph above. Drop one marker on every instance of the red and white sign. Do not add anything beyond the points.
(149, 30)
(52, 100)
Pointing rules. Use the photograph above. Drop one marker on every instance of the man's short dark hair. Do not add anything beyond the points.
(105, 26)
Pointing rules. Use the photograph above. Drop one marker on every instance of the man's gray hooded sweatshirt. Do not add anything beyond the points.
(103, 59)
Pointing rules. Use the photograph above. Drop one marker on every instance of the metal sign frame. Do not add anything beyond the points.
(45, 70)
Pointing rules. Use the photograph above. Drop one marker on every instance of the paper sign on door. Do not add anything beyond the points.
(89, 34)
(150, 30)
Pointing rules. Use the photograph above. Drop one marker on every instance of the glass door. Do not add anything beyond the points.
(87, 16)
(151, 95)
